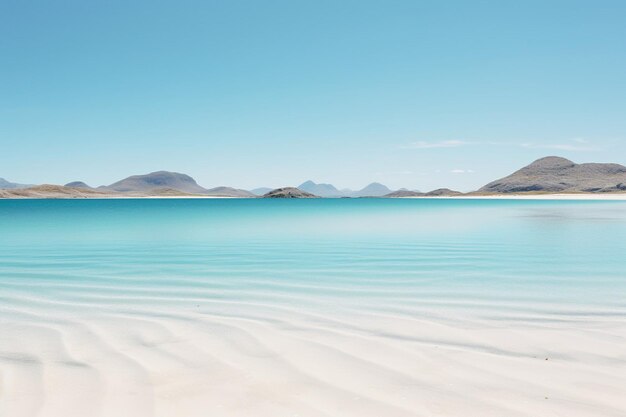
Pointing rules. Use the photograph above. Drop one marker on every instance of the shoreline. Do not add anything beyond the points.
(555, 197)
(582, 197)
(513, 196)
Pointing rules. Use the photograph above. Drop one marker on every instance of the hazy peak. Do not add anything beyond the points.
(158, 179)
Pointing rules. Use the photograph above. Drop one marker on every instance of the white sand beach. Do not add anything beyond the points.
(580, 196)
(259, 360)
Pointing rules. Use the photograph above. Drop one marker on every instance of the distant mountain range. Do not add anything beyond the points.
(328, 190)
(160, 182)
(6, 185)
(322, 190)
(440, 192)
(228, 192)
(547, 175)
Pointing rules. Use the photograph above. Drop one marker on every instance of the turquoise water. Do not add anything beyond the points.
(492, 259)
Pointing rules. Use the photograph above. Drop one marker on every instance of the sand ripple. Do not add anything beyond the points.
(108, 334)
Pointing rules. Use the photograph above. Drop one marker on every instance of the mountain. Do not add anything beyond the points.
(322, 190)
(54, 191)
(77, 184)
(161, 192)
(443, 192)
(261, 190)
(404, 193)
(328, 190)
(59, 191)
(228, 192)
(555, 174)
(375, 189)
(7, 185)
(156, 180)
(288, 192)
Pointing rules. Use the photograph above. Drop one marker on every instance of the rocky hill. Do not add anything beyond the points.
(443, 192)
(554, 174)
(156, 180)
(289, 192)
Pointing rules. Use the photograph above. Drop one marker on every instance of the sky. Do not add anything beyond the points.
(414, 94)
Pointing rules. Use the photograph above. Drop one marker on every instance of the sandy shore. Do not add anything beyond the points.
(268, 361)
(589, 197)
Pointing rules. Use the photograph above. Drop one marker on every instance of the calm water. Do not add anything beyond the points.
(495, 259)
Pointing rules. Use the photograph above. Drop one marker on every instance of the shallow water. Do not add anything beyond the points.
(505, 256)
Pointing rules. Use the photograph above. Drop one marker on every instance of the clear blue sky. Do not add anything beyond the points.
(416, 94)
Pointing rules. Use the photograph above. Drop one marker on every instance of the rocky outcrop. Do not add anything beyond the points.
(289, 192)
